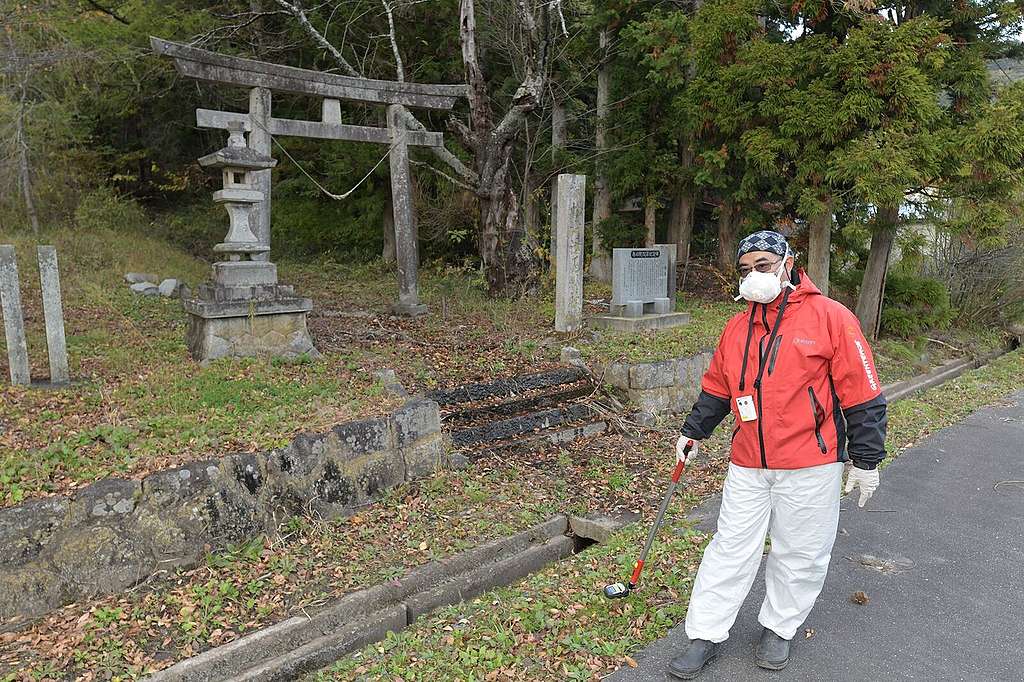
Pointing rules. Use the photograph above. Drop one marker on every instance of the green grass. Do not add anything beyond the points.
(138, 402)
(707, 320)
(899, 359)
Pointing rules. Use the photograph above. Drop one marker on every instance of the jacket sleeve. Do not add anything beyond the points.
(706, 414)
(714, 401)
(859, 391)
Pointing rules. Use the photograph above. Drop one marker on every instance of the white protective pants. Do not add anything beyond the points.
(799, 508)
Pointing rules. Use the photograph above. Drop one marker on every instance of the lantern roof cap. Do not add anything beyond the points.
(236, 154)
(237, 157)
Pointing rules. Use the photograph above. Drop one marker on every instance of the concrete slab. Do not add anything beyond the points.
(635, 324)
(953, 613)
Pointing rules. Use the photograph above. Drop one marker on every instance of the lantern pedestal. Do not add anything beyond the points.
(243, 311)
(240, 322)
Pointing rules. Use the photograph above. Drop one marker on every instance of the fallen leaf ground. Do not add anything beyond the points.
(139, 404)
(556, 625)
(266, 580)
(553, 625)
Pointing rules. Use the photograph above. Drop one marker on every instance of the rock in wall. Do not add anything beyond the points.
(663, 387)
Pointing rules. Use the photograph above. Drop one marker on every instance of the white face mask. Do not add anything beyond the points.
(764, 287)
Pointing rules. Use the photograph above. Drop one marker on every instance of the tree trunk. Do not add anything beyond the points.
(508, 263)
(24, 169)
(558, 136)
(531, 209)
(388, 252)
(600, 263)
(872, 288)
(727, 214)
(819, 247)
(680, 218)
(650, 221)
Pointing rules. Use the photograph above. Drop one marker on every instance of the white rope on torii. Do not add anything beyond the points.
(328, 193)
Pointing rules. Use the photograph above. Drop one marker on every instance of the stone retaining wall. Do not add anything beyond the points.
(664, 387)
(115, 532)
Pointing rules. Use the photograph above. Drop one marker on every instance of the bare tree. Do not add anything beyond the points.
(508, 264)
(30, 52)
(527, 31)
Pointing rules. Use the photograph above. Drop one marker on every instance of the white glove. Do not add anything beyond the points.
(681, 455)
(865, 479)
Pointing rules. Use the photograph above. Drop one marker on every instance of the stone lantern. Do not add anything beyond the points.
(243, 311)
(239, 196)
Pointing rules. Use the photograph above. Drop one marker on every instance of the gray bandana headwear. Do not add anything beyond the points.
(765, 240)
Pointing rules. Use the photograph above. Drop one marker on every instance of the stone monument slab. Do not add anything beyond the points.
(643, 291)
(569, 252)
(638, 275)
(14, 319)
(53, 313)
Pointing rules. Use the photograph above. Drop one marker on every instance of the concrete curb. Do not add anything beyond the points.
(300, 644)
(939, 375)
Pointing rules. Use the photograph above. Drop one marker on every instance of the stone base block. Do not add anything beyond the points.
(660, 306)
(245, 273)
(636, 324)
(627, 309)
(274, 335)
(409, 309)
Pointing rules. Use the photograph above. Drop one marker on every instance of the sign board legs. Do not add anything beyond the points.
(56, 344)
(14, 320)
(406, 242)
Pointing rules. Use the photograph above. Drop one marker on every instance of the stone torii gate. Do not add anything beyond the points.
(263, 78)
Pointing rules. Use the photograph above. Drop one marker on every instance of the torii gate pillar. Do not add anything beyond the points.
(260, 142)
(406, 242)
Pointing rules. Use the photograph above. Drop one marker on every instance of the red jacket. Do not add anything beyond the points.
(818, 385)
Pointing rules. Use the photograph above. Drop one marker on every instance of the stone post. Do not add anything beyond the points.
(672, 253)
(569, 252)
(406, 242)
(14, 321)
(53, 312)
(261, 142)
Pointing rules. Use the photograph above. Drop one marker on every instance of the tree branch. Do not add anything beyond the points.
(109, 12)
(399, 70)
(406, 117)
(449, 178)
(479, 101)
(299, 13)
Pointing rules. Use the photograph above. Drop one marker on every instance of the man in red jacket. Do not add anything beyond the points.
(798, 375)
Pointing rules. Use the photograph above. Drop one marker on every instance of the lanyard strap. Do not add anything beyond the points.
(763, 355)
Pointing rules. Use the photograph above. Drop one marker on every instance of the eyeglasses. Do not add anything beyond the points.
(744, 270)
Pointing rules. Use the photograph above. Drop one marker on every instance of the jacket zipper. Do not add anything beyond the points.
(815, 409)
(762, 358)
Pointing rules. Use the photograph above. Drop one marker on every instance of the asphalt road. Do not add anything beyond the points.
(940, 555)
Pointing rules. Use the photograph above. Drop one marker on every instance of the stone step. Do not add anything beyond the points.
(539, 441)
(510, 387)
(473, 416)
(505, 429)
